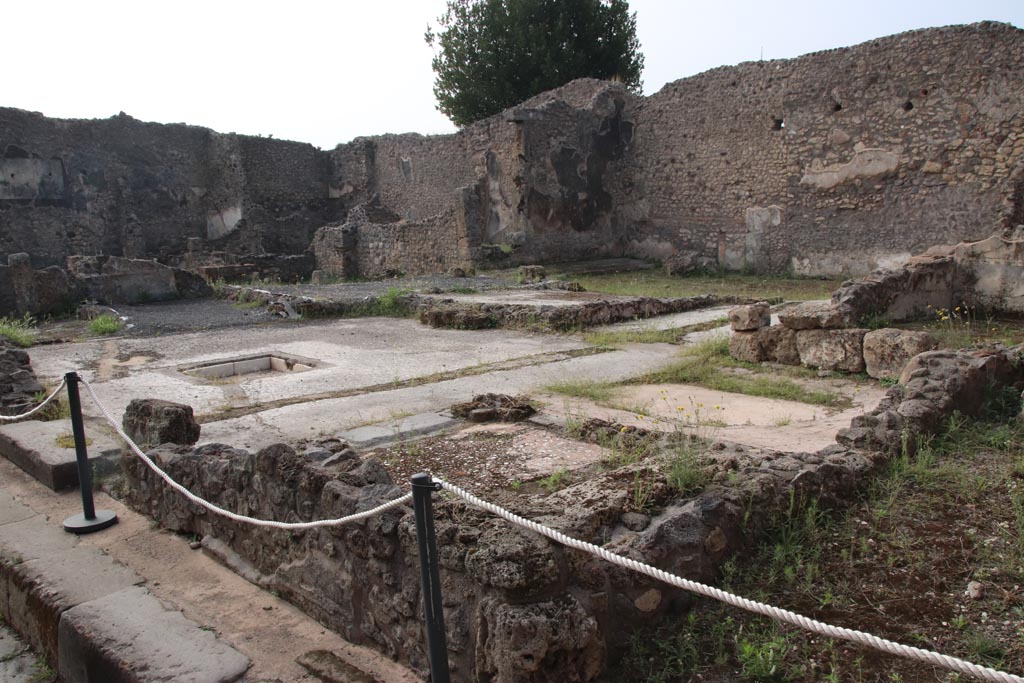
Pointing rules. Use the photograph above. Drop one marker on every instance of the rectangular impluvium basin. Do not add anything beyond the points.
(248, 365)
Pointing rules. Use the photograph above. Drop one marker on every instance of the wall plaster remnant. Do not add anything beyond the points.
(866, 163)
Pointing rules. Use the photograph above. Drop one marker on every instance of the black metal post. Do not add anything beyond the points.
(433, 612)
(90, 520)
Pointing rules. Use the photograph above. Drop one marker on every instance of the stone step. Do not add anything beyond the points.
(44, 571)
(89, 615)
(46, 451)
(130, 637)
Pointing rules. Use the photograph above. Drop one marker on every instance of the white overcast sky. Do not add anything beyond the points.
(327, 71)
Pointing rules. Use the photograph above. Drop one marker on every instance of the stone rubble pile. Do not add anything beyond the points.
(820, 334)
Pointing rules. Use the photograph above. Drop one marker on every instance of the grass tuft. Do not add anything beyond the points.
(598, 392)
(106, 324)
(19, 331)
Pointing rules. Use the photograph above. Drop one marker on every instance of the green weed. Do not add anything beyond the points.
(761, 652)
(598, 392)
(686, 472)
(19, 331)
(57, 409)
(556, 480)
(106, 324)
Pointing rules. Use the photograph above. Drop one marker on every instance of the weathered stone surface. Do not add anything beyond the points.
(46, 451)
(44, 571)
(447, 313)
(750, 317)
(778, 343)
(684, 263)
(932, 386)
(810, 315)
(329, 668)
(551, 641)
(130, 637)
(35, 292)
(151, 421)
(746, 346)
(887, 351)
(832, 349)
(925, 283)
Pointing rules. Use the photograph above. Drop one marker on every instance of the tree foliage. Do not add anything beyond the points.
(492, 54)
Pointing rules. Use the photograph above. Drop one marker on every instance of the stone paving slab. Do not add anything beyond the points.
(33, 447)
(393, 431)
(13, 511)
(130, 637)
(45, 571)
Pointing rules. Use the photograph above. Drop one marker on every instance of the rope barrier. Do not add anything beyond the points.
(952, 663)
(293, 526)
(11, 418)
(785, 616)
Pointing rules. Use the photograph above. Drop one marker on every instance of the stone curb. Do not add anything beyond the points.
(45, 573)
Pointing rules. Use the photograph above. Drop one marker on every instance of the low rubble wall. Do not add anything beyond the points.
(519, 608)
(965, 281)
(104, 279)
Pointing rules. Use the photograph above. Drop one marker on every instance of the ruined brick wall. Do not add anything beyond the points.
(123, 187)
(870, 153)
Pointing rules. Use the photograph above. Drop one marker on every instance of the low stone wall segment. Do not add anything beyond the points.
(519, 608)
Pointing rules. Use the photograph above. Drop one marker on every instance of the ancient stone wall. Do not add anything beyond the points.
(414, 247)
(838, 161)
(123, 187)
(835, 162)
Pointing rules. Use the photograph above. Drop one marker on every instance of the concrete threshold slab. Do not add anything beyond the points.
(402, 429)
(36, 447)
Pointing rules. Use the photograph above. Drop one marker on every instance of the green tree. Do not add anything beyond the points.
(492, 54)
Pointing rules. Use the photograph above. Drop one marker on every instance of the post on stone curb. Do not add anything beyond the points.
(91, 519)
(437, 643)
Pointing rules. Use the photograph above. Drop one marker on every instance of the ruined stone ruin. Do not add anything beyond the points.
(836, 162)
(855, 161)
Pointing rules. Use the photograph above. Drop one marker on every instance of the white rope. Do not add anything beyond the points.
(294, 526)
(11, 418)
(821, 628)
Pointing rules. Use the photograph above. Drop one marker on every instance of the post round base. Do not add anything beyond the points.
(78, 524)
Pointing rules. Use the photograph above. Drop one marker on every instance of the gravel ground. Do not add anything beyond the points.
(192, 315)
